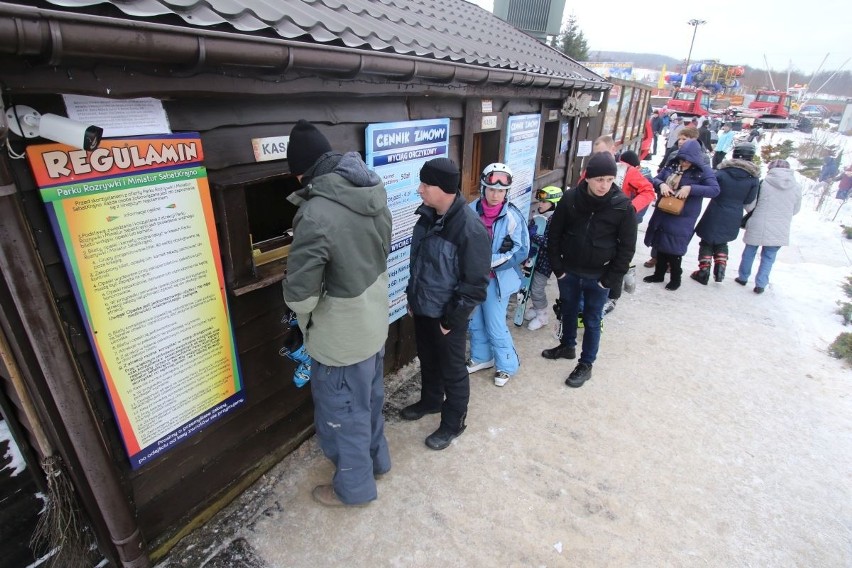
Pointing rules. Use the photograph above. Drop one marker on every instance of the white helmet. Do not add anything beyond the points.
(496, 175)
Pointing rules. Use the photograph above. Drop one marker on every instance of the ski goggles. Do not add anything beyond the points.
(497, 178)
(544, 196)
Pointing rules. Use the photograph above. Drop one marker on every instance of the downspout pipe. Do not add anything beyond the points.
(27, 283)
(59, 36)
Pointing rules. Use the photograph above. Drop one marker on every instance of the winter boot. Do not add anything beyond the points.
(677, 271)
(721, 261)
(659, 270)
(539, 321)
(294, 349)
(702, 275)
(302, 374)
(578, 377)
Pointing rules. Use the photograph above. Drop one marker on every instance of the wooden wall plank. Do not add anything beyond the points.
(523, 106)
(435, 107)
(230, 146)
(257, 453)
(190, 114)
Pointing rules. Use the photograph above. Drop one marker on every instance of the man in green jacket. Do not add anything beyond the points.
(337, 283)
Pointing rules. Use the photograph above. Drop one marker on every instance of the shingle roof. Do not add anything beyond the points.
(450, 30)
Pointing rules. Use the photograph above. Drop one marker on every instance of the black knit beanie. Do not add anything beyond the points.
(306, 145)
(441, 172)
(601, 164)
(630, 157)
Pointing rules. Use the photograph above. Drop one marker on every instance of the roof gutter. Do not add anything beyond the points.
(59, 37)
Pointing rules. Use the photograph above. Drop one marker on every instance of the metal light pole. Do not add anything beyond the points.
(694, 23)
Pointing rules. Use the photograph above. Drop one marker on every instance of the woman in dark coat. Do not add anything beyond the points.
(688, 177)
(738, 179)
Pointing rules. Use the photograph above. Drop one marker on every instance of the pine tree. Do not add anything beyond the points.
(571, 40)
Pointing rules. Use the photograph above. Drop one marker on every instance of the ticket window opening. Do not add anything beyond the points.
(270, 218)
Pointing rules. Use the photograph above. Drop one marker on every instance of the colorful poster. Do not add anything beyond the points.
(611, 115)
(135, 227)
(396, 151)
(565, 138)
(522, 137)
(623, 118)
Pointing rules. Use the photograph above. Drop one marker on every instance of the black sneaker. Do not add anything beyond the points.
(581, 373)
(559, 352)
(442, 437)
(417, 411)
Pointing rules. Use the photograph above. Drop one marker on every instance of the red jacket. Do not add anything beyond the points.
(637, 187)
(647, 138)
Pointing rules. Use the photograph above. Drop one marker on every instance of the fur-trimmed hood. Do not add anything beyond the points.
(750, 167)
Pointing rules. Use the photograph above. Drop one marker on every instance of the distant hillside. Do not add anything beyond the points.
(643, 60)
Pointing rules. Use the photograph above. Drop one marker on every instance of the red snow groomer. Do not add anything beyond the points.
(770, 109)
(689, 101)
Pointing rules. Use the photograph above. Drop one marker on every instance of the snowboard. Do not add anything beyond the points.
(528, 270)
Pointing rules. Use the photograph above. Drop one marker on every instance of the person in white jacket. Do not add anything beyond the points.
(778, 199)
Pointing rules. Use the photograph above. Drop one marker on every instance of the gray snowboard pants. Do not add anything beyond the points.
(538, 293)
(350, 426)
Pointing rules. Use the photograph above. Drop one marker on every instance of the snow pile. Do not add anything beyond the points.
(17, 464)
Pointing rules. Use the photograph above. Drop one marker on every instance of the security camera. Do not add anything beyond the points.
(27, 122)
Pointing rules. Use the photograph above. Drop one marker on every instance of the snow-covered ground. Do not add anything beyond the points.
(16, 463)
(807, 275)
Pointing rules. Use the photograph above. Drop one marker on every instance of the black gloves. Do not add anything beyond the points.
(506, 245)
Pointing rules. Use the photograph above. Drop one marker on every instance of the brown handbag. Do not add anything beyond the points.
(671, 205)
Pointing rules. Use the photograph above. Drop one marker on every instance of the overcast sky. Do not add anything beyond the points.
(736, 33)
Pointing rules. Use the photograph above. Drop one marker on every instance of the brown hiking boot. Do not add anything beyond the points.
(325, 495)
(650, 263)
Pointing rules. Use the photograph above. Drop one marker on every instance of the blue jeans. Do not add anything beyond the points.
(571, 289)
(767, 259)
(489, 335)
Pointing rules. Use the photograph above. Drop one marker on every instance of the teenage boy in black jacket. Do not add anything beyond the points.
(592, 239)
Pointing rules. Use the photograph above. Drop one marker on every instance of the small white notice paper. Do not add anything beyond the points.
(119, 117)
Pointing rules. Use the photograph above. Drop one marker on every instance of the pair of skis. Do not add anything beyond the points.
(528, 271)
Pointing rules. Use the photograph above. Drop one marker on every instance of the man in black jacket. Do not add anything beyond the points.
(592, 239)
(449, 268)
